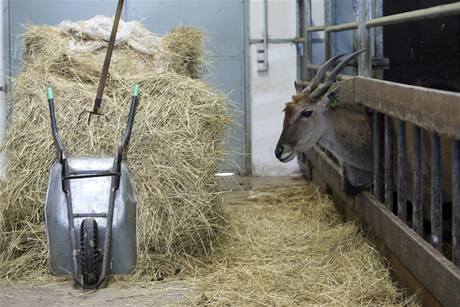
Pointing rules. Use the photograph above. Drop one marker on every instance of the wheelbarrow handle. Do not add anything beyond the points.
(129, 127)
(132, 113)
(54, 130)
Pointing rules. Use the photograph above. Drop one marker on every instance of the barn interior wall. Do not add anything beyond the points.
(271, 89)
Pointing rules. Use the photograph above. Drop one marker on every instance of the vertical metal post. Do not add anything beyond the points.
(417, 189)
(308, 40)
(456, 203)
(378, 157)
(436, 192)
(389, 187)
(327, 35)
(262, 51)
(402, 157)
(355, 47)
(378, 36)
(356, 42)
(301, 60)
(364, 62)
(266, 33)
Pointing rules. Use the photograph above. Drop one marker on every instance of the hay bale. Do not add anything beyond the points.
(180, 51)
(173, 155)
(187, 56)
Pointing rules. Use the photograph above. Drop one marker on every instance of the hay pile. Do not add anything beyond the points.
(173, 154)
(180, 51)
(185, 58)
(287, 246)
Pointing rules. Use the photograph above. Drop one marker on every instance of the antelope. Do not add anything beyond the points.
(345, 129)
(312, 118)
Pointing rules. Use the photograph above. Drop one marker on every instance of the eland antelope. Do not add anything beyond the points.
(345, 129)
(311, 117)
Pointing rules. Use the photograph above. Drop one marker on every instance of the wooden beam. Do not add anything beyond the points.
(435, 272)
(431, 109)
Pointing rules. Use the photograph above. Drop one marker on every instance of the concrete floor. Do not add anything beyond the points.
(170, 293)
(165, 293)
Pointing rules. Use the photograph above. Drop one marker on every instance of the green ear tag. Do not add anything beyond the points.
(332, 101)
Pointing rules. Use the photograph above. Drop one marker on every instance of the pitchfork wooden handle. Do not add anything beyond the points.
(108, 56)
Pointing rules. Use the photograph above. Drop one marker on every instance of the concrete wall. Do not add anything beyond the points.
(271, 89)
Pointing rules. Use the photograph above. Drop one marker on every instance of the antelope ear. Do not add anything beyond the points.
(297, 98)
(298, 87)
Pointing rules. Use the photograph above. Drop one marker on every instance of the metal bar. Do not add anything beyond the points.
(456, 203)
(417, 189)
(315, 28)
(378, 149)
(355, 47)
(86, 172)
(402, 157)
(308, 40)
(71, 228)
(107, 249)
(436, 192)
(378, 35)
(80, 215)
(434, 271)
(364, 60)
(277, 40)
(327, 36)
(389, 185)
(266, 32)
(422, 14)
(341, 27)
(93, 175)
(430, 109)
(339, 76)
(54, 130)
(301, 61)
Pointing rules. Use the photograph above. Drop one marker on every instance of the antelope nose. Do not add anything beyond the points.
(278, 151)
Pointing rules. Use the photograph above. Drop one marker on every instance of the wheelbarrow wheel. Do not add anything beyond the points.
(90, 255)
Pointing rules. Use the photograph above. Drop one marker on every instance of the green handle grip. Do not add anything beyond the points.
(50, 93)
(136, 90)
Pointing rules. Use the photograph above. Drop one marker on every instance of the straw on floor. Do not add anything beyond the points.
(173, 155)
(287, 246)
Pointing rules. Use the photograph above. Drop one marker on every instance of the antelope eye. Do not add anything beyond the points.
(306, 113)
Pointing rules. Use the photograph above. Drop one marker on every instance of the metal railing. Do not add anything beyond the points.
(434, 112)
(417, 15)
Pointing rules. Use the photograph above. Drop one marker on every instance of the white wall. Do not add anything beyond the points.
(271, 89)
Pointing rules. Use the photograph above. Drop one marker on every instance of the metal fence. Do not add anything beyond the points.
(431, 112)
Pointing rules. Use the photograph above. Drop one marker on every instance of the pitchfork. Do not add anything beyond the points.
(105, 68)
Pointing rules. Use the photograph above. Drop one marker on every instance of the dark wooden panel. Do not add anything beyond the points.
(437, 274)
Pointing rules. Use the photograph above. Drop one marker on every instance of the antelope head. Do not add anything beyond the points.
(304, 117)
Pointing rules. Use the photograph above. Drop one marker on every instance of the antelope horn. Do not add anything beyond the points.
(322, 89)
(321, 74)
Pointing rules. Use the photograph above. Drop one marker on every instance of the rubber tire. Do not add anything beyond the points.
(89, 251)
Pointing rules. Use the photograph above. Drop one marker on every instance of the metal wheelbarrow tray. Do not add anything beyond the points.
(91, 212)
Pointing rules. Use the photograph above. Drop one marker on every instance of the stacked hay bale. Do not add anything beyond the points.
(175, 147)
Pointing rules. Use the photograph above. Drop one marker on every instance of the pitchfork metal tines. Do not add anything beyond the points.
(105, 68)
(91, 211)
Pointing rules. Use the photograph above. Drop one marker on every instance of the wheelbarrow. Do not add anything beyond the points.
(91, 211)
